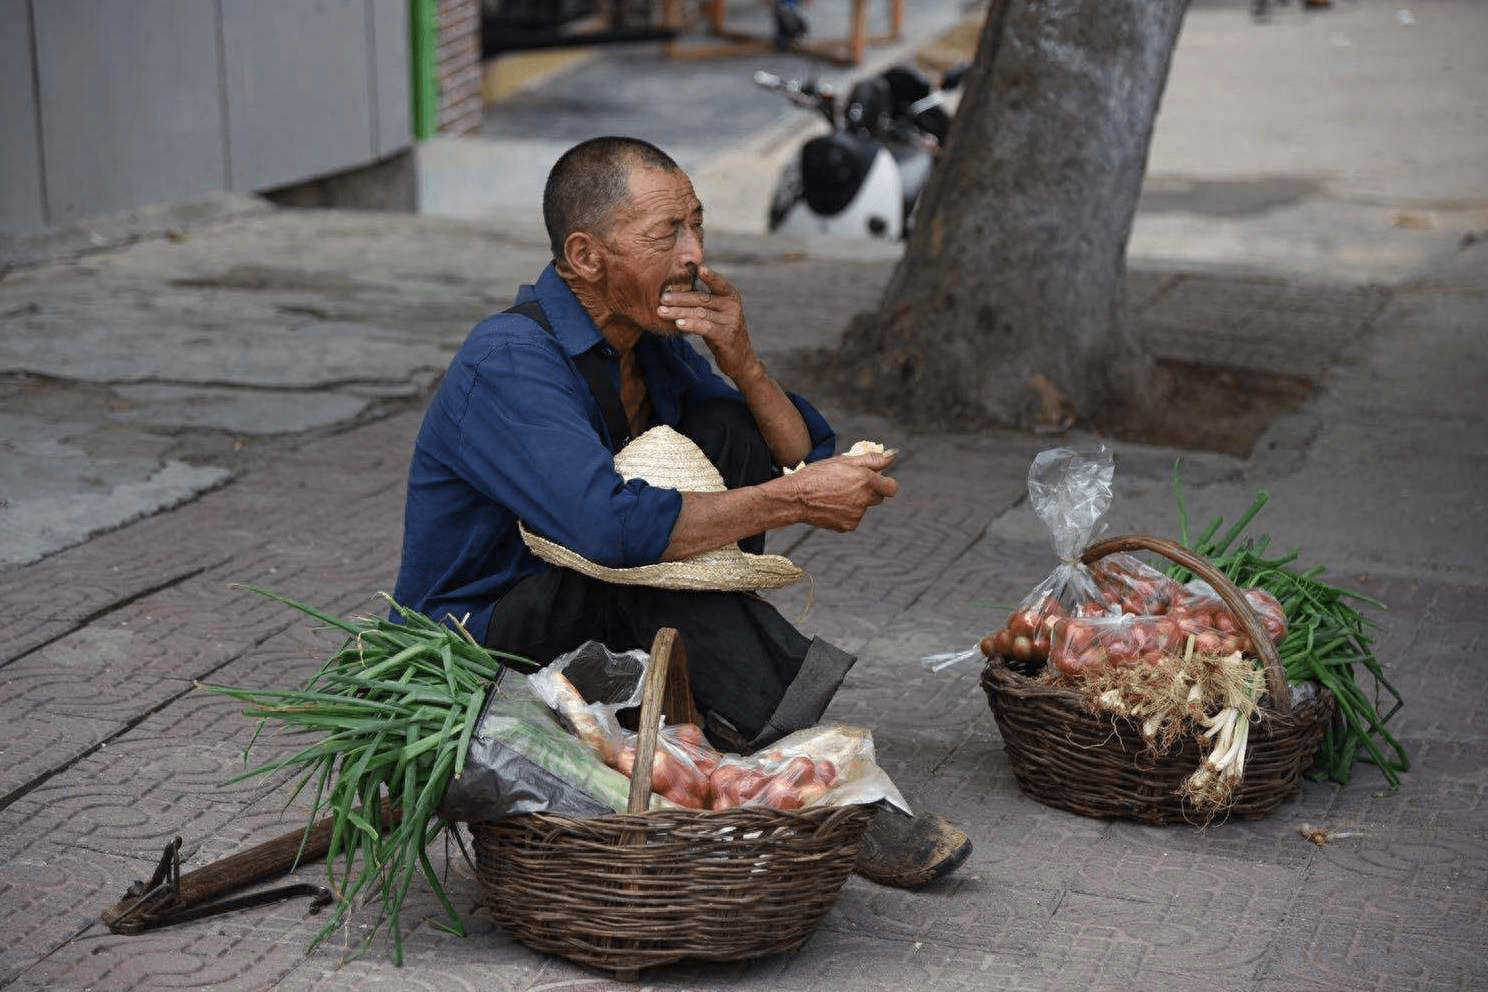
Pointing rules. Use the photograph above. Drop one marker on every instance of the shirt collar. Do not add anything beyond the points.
(572, 325)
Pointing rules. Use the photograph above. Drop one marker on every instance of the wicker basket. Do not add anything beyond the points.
(1098, 765)
(650, 887)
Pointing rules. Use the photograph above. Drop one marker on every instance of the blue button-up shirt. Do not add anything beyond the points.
(514, 433)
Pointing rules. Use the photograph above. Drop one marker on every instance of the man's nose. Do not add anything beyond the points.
(690, 247)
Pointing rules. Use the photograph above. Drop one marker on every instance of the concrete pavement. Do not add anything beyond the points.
(235, 405)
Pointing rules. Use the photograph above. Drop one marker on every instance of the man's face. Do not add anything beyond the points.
(656, 244)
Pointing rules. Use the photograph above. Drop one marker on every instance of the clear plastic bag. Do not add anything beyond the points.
(826, 765)
(1070, 491)
(588, 687)
(1085, 646)
(1200, 611)
(1134, 585)
(523, 760)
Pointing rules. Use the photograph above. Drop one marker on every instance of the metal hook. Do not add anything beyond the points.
(157, 903)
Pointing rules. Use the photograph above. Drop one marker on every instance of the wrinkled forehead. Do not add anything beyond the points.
(659, 193)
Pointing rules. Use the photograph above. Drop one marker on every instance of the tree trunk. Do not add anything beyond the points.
(1006, 308)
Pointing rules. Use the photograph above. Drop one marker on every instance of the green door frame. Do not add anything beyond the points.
(423, 36)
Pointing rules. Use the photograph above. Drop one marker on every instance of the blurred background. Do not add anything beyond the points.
(1341, 139)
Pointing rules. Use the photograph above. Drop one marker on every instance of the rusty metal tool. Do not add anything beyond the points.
(170, 897)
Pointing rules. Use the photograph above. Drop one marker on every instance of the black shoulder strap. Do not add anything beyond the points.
(592, 366)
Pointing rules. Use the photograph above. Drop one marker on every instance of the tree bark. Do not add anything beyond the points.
(1006, 307)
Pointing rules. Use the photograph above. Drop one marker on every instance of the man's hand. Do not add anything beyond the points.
(717, 317)
(836, 492)
(833, 493)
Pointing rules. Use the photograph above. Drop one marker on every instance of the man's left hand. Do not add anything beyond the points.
(717, 317)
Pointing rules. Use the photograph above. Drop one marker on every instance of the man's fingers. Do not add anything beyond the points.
(701, 313)
(695, 321)
(697, 306)
(875, 460)
(716, 283)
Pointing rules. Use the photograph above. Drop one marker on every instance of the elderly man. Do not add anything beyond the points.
(519, 446)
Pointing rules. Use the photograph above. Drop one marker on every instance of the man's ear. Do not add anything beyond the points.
(583, 256)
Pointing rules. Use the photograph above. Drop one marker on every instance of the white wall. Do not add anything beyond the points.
(116, 104)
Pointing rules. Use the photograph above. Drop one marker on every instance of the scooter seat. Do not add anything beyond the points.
(833, 167)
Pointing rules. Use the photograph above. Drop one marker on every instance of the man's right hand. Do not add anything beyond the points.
(835, 493)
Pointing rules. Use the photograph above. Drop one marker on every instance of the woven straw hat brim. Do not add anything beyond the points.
(724, 570)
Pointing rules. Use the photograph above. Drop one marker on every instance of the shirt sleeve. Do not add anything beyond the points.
(707, 384)
(527, 441)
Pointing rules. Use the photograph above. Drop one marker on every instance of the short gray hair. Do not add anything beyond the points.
(590, 181)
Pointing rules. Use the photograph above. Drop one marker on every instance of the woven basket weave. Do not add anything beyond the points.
(650, 887)
(1097, 764)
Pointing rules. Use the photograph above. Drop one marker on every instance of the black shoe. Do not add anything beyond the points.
(908, 852)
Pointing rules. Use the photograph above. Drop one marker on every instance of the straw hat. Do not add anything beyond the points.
(669, 460)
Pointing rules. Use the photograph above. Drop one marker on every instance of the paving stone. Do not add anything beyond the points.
(1268, 983)
(1276, 839)
(1449, 795)
(945, 726)
(276, 935)
(911, 547)
(428, 971)
(913, 536)
(49, 599)
(1375, 955)
(59, 593)
(96, 673)
(1122, 938)
(50, 894)
(112, 819)
(1025, 844)
(35, 746)
(1425, 634)
(758, 974)
(180, 766)
(1418, 882)
(289, 658)
(170, 776)
(365, 463)
(986, 584)
(973, 910)
(811, 290)
(1265, 324)
(872, 962)
(206, 958)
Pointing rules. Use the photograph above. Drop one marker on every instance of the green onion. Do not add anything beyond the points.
(396, 706)
(1328, 640)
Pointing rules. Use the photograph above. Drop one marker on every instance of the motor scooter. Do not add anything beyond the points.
(864, 177)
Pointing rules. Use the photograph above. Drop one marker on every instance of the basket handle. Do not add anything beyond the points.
(1276, 682)
(666, 692)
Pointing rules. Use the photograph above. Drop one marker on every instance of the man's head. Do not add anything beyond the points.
(625, 226)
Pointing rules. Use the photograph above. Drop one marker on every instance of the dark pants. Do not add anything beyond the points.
(754, 676)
